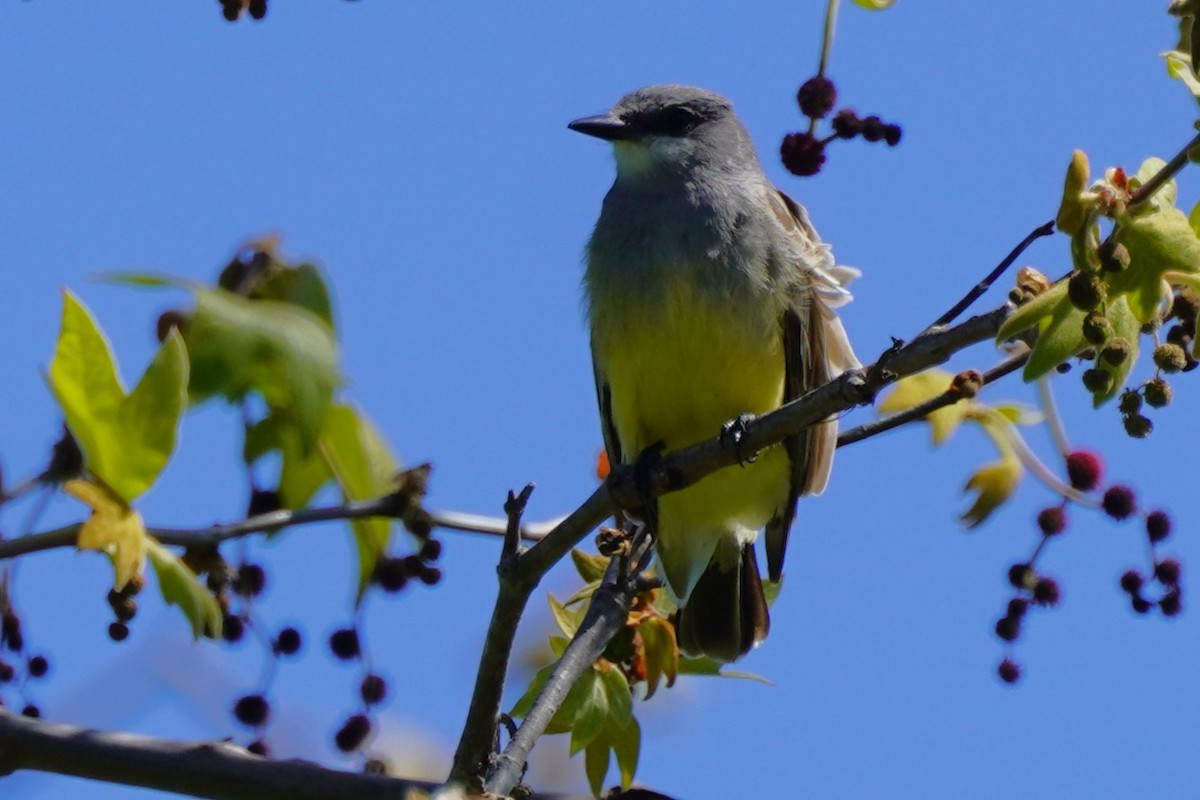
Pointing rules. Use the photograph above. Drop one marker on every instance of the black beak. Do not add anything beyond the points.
(604, 127)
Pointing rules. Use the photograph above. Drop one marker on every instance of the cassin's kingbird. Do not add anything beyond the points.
(710, 295)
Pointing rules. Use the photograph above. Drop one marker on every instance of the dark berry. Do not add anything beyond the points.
(233, 628)
(816, 97)
(1008, 628)
(1171, 603)
(1046, 592)
(802, 154)
(376, 766)
(1097, 381)
(431, 550)
(31, 711)
(1158, 526)
(1052, 521)
(872, 128)
(344, 643)
(373, 689)
(1131, 581)
(1085, 290)
(10, 632)
(250, 580)
(1140, 604)
(1170, 357)
(1178, 334)
(1167, 572)
(257, 9)
(1158, 393)
(38, 666)
(846, 124)
(231, 12)
(430, 576)
(66, 459)
(1186, 305)
(259, 748)
(1138, 426)
(1114, 256)
(1084, 469)
(1009, 671)
(391, 574)
(252, 710)
(1116, 352)
(352, 733)
(7, 672)
(288, 642)
(1119, 501)
(1021, 576)
(892, 134)
(413, 565)
(1130, 402)
(1097, 328)
(1017, 607)
(118, 631)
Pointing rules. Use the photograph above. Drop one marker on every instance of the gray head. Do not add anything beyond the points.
(671, 129)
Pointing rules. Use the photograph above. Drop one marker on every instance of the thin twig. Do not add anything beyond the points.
(977, 291)
(919, 412)
(1169, 170)
(605, 617)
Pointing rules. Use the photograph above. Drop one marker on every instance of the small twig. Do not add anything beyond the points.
(605, 617)
(514, 508)
(977, 291)
(919, 412)
(1169, 170)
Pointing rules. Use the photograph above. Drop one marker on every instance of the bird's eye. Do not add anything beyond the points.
(674, 121)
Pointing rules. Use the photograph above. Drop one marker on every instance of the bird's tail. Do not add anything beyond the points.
(726, 613)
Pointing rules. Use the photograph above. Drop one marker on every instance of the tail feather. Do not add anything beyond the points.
(726, 614)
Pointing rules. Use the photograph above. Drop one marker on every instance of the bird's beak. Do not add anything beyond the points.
(605, 127)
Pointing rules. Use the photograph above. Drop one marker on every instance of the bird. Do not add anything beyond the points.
(709, 296)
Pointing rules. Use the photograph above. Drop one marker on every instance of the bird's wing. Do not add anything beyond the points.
(612, 444)
(816, 350)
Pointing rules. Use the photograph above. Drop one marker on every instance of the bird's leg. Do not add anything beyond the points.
(732, 433)
(648, 462)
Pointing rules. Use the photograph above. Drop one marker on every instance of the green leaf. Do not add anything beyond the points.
(364, 467)
(591, 567)
(592, 711)
(1061, 337)
(627, 744)
(181, 587)
(1126, 326)
(1073, 209)
(707, 666)
(595, 765)
(874, 5)
(301, 474)
(564, 719)
(619, 698)
(284, 352)
(126, 440)
(1033, 312)
(568, 619)
(1159, 240)
(300, 286)
(995, 483)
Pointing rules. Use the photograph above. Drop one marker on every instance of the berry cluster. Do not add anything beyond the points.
(24, 667)
(803, 152)
(1085, 473)
(124, 607)
(346, 645)
(232, 9)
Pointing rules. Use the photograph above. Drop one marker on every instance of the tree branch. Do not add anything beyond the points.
(213, 769)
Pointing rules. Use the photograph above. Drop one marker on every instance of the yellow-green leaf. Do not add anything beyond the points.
(180, 587)
(874, 5)
(126, 440)
(1033, 312)
(922, 387)
(995, 483)
(364, 467)
(590, 566)
(661, 652)
(1060, 338)
(1159, 240)
(301, 474)
(113, 528)
(1073, 210)
(627, 744)
(568, 619)
(618, 696)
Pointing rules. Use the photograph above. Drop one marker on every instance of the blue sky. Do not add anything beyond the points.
(420, 154)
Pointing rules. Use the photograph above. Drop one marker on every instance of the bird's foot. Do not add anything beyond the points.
(732, 434)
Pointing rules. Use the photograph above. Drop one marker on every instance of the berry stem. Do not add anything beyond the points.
(1054, 423)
